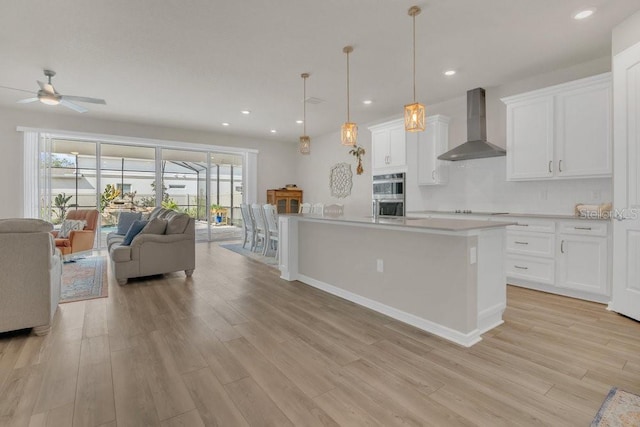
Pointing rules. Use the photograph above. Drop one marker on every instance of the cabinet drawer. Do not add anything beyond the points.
(534, 269)
(538, 244)
(583, 228)
(526, 224)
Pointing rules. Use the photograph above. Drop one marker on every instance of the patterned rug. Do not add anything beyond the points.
(237, 248)
(620, 408)
(84, 278)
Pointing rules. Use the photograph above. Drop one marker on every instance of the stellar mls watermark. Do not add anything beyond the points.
(619, 214)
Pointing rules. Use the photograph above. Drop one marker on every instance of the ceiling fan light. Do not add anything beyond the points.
(49, 99)
(349, 134)
(305, 145)
(414, 117)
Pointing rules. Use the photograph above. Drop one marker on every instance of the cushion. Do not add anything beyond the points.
(156, 212)
(24, 225)
(133, 231)
(177, 224)
(125, 219)
(69, 225)
(155, 226)
(63, 242)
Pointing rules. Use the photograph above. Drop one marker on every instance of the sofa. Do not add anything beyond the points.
(157, 249)
(31, 276)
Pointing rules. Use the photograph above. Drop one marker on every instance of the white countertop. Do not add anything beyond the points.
(435, 224)
(507, 215)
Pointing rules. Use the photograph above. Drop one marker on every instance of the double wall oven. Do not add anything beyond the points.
(389, 194)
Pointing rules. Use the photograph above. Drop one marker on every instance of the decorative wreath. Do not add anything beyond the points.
(340, 180)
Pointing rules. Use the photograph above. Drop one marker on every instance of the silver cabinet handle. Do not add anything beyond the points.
(582, 228)
(560, 166)
(521, 243)
(521, 268)
(433, 175)
(562, 246)
(522, 225)
(550, 162)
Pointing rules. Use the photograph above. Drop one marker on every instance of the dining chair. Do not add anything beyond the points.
(248, 225)
(335, 209)
(260, 227)
(305, 208)
(271, 216)
(317, 208)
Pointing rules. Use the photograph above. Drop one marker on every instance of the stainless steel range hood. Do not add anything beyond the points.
(477, 146)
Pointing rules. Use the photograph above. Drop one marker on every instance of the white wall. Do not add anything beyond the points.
(475, 184)
(313, 172)
(276, 159)
(626, 34)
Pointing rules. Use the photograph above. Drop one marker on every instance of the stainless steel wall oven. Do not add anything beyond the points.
(389, 195)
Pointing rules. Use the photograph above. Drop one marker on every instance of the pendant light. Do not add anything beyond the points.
(414, 113)
(349, 131)
(305, 141)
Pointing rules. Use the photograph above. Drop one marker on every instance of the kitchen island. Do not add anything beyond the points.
(445, 276)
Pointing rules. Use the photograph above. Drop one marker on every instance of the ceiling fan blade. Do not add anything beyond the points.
(84, 99)
(20, 90)
(73, 106)
(27, 101)
(47, 87)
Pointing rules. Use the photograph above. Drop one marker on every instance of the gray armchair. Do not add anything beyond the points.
(31, 276)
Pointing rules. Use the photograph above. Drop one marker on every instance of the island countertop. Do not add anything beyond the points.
(462, 225)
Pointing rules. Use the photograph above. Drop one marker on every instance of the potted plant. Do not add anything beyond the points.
(358, 152)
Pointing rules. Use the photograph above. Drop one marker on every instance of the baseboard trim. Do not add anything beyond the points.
(466, 340)
(491, 317)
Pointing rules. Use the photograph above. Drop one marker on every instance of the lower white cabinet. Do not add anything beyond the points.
(567, 257)
(582, 263)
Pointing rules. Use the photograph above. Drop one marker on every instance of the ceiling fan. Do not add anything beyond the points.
(48, 95)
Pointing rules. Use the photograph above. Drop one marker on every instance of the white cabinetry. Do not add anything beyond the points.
(563, 131)
(566, 257)
(431, 143)
(388, 146)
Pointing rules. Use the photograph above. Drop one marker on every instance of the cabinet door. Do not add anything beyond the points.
(427, 157)
(380, 148)
(583, 131)
(281, 205)
(294, 205)
(530, 139)
(582, 263)
(397, 147)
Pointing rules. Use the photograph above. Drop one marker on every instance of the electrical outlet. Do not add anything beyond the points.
(380, 265)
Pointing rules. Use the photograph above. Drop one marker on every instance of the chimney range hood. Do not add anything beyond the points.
(477, 146)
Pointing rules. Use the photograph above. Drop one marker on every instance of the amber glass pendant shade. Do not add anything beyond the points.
(349, 134)
(414, 117)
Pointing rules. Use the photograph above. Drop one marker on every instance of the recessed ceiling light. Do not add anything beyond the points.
(225, 124)
(273, 131)
(450, 73)
(299, 122)
(245, 112)
(583, 14)
(367, 102)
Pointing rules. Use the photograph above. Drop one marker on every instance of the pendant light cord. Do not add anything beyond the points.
(414, 58)
(348, 107)
(304, 106)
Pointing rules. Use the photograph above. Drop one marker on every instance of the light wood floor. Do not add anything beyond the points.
(237, 346)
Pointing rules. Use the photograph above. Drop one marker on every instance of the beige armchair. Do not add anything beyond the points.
(31, 269)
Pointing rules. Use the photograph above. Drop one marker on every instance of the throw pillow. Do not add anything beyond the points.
(134, 230)
(155, 226)
(69, 225)
(125, 219)
(177, 224)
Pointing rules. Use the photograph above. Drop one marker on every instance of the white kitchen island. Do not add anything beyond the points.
(445, 276)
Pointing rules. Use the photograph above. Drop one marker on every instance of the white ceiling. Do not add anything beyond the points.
(197, 63)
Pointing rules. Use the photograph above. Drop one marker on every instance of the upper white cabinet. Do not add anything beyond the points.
(389, 147)
(563, 131)
(431, 143)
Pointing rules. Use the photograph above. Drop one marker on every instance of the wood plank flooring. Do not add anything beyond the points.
(237, 346)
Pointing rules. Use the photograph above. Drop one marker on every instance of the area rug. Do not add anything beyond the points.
(237, 248)
(84, 278)
(620, 408)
